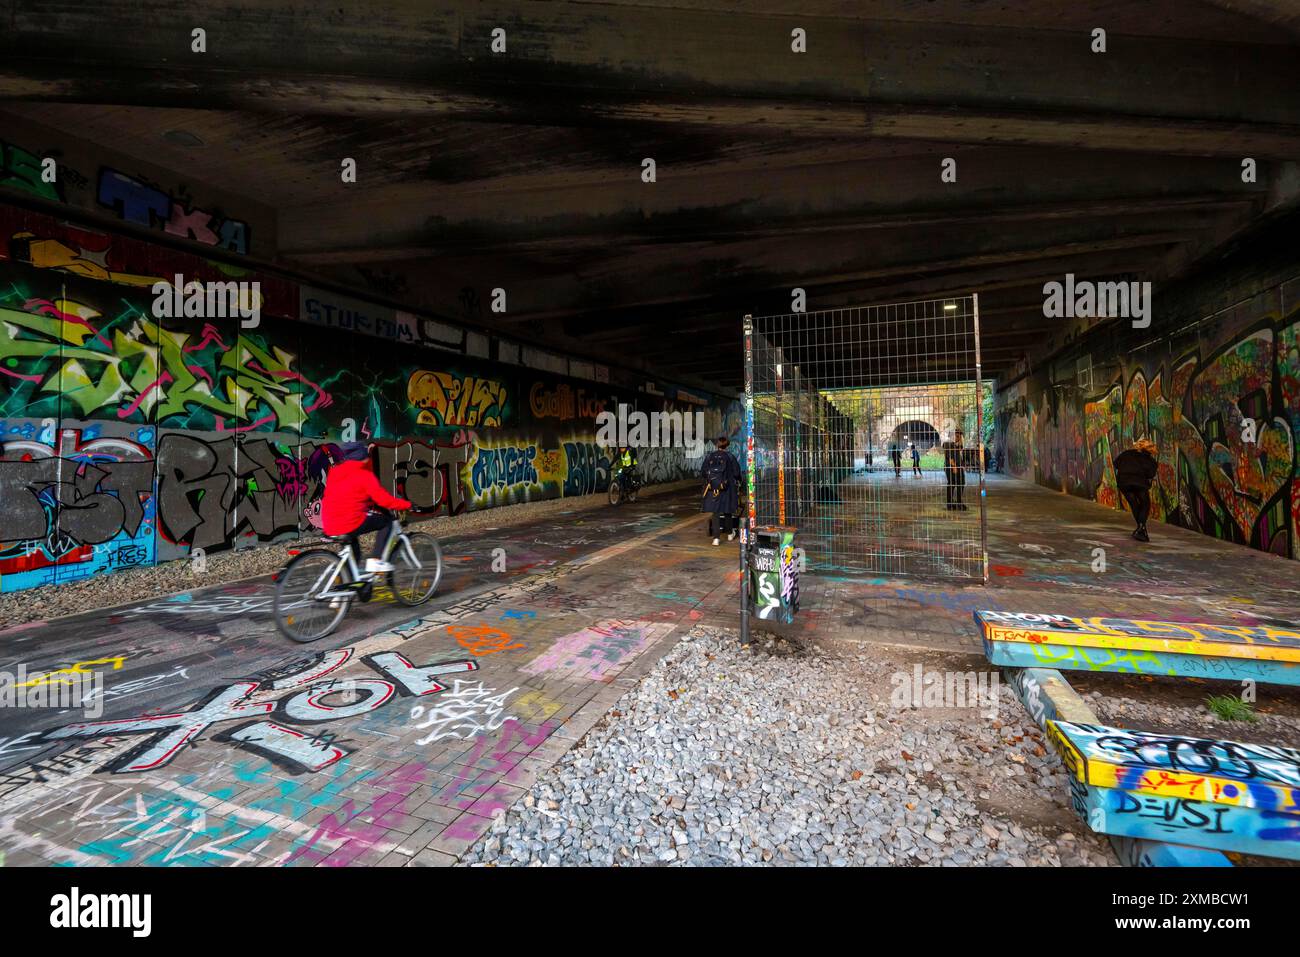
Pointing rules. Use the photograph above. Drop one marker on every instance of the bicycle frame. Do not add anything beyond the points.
(348, 561)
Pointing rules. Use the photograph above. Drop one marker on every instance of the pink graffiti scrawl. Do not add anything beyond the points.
(597, 652)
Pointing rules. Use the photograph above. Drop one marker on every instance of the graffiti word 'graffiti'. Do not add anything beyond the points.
(563, 403)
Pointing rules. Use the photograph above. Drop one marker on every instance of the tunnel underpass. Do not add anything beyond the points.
(897, 294)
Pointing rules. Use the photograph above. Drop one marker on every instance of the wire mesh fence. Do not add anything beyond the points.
(867, 428)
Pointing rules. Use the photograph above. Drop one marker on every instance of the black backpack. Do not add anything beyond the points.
(715, 470)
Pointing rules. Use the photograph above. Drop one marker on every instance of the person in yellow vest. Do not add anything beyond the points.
(624, 467)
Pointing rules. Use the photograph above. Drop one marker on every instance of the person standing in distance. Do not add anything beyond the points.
(954, 471)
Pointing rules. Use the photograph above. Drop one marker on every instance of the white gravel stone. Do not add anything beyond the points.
(745, 766)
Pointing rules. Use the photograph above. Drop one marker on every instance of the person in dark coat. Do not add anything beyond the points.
(954, 472)
(1135, 470)
(721, 474)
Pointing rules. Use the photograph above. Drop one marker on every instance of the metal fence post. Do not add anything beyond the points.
(979, 437)
(747, 521)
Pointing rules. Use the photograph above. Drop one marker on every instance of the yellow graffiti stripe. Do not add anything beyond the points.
(1097, 772)
(1176, 638)
(69, 675)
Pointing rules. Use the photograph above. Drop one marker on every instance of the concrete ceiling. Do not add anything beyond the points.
(775, 170)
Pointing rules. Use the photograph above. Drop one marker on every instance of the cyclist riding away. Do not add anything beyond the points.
(352, 501)
(625, 463)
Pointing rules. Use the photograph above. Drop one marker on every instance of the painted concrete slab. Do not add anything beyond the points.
(1266, 652)
(1221, 827)
(1221, 795)
(1049, 699)
(1266, 777)
(1266, 642)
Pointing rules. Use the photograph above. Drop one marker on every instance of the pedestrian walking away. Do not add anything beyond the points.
(896, 456)
(721, 474)
(916, 459)
(1135, 470)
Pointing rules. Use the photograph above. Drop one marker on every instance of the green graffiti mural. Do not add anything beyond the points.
(127, 439)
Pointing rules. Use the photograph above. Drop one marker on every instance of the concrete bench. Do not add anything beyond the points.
(1226, 652)
(1222, 795)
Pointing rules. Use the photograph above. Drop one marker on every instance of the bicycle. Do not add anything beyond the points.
(316, 588)
(623, 487)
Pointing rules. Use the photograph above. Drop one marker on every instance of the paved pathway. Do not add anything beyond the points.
(391, 742)
(395, 740)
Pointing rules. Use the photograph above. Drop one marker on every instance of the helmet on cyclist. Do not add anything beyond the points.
(354, 452)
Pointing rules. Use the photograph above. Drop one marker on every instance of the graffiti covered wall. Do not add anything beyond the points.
(130, 439)
(40, 163)
(1222, 403)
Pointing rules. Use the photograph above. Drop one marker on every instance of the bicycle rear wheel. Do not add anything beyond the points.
(300, 614)
(413, 584)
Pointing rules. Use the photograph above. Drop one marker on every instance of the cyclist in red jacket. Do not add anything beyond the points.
(348, 506)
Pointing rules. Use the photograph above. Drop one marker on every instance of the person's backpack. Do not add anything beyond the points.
(715, 470)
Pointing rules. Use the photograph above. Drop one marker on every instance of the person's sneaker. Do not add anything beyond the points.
(1141, 535)
(716, 542)
(375, 566)
(731, 536)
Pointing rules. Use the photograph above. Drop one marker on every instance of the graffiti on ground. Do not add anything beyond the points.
(466, 710)
(597, 652)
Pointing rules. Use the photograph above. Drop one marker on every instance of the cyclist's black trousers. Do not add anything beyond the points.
(380, 522)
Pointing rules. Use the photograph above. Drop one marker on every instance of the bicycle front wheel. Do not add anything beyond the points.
(414, 581)
(300, 613)
(615, 492)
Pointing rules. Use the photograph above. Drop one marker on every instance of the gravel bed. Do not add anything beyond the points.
(1197, 720)
(781, 755)
(138, 584)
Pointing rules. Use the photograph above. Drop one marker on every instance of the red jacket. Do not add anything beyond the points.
(350, 488)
